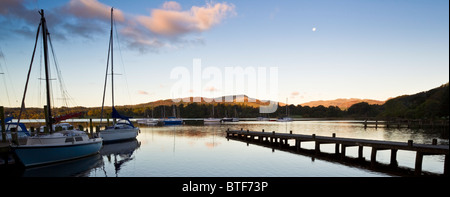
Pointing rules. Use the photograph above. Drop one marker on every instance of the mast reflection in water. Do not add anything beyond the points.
(204, 151)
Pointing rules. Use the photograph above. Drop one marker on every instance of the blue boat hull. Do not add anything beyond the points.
(40, 155)
(173, 122)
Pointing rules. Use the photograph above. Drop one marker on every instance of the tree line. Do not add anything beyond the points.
(432, 104)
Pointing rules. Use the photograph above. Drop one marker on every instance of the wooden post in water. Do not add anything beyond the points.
(446, 165)
(91, 127)
(336, 148)
(298, 144)
(418, 166)
(343, 147)
(97, 129)
(317, 144)
(394, 157)
(2, 119)
(360, 152)
(271, 137)
(14, 137)
(373, 157)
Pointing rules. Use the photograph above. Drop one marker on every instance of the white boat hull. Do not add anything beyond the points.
(212, 121)
(34, 155)
(285, 119)
(111, 135)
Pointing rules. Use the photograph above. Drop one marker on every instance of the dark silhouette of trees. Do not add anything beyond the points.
(432, 104)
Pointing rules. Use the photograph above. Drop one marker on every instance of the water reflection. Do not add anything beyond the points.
(75, 168)
(203, 150)
(118, 154)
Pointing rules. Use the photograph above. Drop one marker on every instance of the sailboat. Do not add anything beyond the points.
(173, 120)
(53, 146)
(212, 120)
(229, 119)
(124, 128)
(286, 118)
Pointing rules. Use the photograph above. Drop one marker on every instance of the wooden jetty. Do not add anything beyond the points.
(342, 143)
(408, 123)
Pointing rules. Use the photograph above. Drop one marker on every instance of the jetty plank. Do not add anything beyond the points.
(376, 145)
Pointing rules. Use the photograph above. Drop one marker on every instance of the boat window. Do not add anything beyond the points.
(78, 139)
(69, 139)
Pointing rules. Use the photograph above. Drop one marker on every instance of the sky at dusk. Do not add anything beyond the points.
(322, 49)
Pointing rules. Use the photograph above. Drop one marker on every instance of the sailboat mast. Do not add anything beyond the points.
(47, 77)
(112, 64)
(287, 107)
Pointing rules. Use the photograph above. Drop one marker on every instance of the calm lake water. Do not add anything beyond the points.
(204, 151)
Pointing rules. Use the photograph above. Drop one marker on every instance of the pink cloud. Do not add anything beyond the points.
(172, 21)
(295, 93)
(93, 9)
(142, 92)
(211, 89)
(171, 5)
(165, 27)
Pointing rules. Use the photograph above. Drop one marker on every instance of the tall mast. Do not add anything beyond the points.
(47, 78)
(112, 63)
(287, 107)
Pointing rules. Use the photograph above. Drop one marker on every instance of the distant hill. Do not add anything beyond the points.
(430, 104)
(343, 104)
(237, 99)
(433, 103)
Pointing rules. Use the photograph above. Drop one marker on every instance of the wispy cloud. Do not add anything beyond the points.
(170, 20)
(211, 89)
(142, 92)
(166, 27)
(296, 94)
(92, 9)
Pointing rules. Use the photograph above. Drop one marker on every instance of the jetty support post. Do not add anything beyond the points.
(2, 119)
(446, 165)
(360, 152)
(91, 127)
(317, 144)
(418, 166)
(343, 147)
(394, 157)
(336, 148)
(14, 136)
(373, 156)
(298, 144)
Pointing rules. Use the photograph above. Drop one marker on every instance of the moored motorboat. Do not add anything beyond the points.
(148, 121)
(173, 121)
(212, 121)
